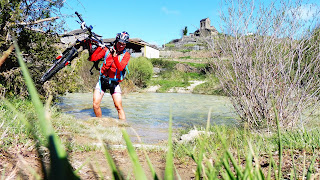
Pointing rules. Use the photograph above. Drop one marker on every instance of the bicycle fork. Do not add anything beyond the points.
(73, 54)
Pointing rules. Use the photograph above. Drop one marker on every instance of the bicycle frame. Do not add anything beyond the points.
(72, 52)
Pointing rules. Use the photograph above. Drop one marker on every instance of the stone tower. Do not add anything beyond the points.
(205, 28)
(205, 23)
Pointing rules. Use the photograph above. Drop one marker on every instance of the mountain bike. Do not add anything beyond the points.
(92, 42)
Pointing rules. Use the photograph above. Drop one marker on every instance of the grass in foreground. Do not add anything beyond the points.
(232, 152)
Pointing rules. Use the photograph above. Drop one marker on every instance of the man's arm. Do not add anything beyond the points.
(121, 65)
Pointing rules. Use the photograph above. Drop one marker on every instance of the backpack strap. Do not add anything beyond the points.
(115, 75)
(105, 60)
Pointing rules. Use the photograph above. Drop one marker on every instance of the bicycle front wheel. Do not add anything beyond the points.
(67, 56)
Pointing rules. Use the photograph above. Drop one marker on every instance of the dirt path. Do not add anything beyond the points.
(98, 163)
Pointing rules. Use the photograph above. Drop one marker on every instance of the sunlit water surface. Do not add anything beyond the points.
(148, 113)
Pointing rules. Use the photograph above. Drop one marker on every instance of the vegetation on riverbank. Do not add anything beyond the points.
(216, 148)
(220, 152)
(175, 74)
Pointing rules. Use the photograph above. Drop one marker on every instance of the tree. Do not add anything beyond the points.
(185, 31)
(33, 23)
(269, 71)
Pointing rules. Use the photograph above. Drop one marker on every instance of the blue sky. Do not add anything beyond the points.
(156, 22)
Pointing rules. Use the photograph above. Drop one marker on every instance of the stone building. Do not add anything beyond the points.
(205, 28)
(198, 39)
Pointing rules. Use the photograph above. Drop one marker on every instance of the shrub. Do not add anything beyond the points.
(170, 45)
(211, 87)
(189, 45)
(158, 62)
(269, 69)
(140, 71)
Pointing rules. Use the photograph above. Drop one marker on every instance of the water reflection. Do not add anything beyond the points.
(148, 113)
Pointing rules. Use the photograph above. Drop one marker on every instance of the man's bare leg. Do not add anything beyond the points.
(117, 100)
(97, 97)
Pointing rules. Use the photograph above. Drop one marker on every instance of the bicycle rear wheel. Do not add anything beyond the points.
(67, 56)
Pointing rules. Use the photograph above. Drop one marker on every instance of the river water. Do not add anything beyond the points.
(148, 113)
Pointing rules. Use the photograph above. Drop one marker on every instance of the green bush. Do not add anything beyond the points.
(211, 87)
(158, 62)
(140, 71)
(185, 57)
(185, 50)
(170, 45)
(189, 45)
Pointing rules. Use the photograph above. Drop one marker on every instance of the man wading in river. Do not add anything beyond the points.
(112, 72)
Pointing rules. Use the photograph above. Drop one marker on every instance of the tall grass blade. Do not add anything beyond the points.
(304, 164)
(227, 156)
(129, 175)
(311, 168)
(235, 165)
(168, 174)
(248, 169)
(279, 142)
(83, 164)
(293, 163)
(60, 166)
(208, 120)
(178, 175)
(225, 176)
(201, 153)
(199, 160)
(258, 171)
(227, 166)
(153, 172)
(137, 168)
(211, 174)
(116, 174)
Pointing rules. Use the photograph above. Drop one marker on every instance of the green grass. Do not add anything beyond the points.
(189, 45)
(12, 130)
(210, 87)
(185, 57)
(236, 136)
(195, 76)
(171, 78)
(196, 65)
(170, 45)
(232, 147)
(184, 50)
(168, 84)
(159, 62)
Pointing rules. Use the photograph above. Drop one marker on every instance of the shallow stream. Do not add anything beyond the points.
(148, 113)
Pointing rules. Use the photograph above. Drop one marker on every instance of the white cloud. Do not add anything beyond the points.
(167, 11)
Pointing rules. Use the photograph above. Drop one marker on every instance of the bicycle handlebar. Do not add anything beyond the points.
(89, 29)
(79, 16)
